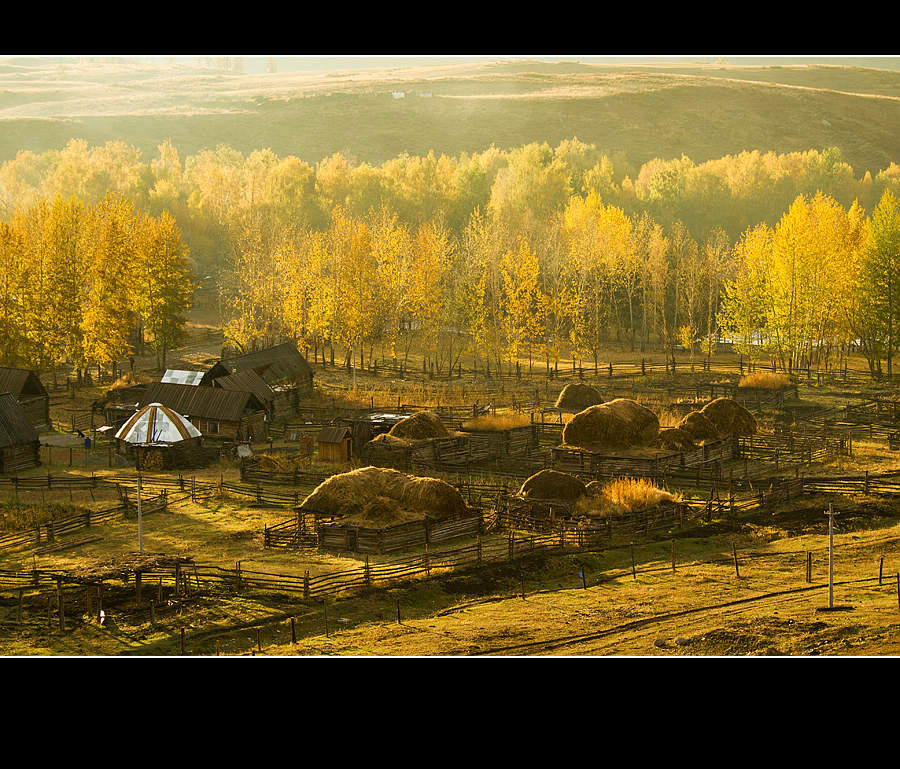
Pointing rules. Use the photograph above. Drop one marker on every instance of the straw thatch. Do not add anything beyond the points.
(620, 423)
(729, 417)
(552, 484)
(577, 397)
(699, 427)
(380, 496)
(424, 424)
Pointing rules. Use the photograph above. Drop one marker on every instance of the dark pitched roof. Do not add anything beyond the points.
(206, 402)
(333, 434)
(19, 381)
(246, 381)
(280, 363)
(15, 427)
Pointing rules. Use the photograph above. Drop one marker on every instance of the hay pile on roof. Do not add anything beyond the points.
(552, 484)
(379, 496)
(577, 397)
(729, 417)
(386, 440)
(621, 423)
(699, 427)
(424, 424)
(674, 439)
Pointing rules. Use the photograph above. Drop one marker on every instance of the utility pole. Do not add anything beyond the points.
(830, 515)
(140, 531)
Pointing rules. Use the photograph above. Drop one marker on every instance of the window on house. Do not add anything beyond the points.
(213, 427)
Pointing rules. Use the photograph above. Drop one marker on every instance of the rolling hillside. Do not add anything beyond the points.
(644, 111)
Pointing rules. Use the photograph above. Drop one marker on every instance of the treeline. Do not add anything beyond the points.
(209, 193)
(85, 284)
(807, 292)
(523, 253)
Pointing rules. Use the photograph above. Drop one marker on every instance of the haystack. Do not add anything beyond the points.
(674, 439)
(380, 496)
(552, 484)
(699, 427)
(621, 423)
(729, 417)
(577, 397)
(424, 424)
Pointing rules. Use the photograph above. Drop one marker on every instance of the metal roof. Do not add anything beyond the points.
(179, 376)
(15, 427)
(206, 402)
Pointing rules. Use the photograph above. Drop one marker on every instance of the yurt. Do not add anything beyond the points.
(158, 437)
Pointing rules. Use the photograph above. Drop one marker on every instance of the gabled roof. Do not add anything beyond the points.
(19, 381)
(333, 434)
(246, 381)
(280, 363)
(206, 402)
(15, 426)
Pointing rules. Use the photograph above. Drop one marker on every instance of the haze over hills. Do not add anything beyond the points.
(311, 107)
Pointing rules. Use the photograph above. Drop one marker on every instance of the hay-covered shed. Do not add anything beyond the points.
(219, 414)
(19, 442)
(30, 392)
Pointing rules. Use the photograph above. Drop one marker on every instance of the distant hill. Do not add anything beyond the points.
(664, 109)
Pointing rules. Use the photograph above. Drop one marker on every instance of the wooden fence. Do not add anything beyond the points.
(50, 532)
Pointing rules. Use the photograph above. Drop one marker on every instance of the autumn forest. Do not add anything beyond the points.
(537, 253)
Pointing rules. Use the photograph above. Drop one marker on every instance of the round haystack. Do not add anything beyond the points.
(729, 417)
(621, 423)
(674, 439)
(552, 484)
(577, 397)
(424, 424)
(699, 427)
(380, 496)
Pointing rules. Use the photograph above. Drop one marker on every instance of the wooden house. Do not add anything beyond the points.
(219, 414)
(20, 446)
(335, 444)
(281, 367)
(29, 391)
(251, 382)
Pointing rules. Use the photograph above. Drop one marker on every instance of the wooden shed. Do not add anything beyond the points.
(30, 392)
(20, 446)
(335, 444)
(251, 382)
(219, 414)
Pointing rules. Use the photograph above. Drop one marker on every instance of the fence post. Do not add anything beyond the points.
(306, 585)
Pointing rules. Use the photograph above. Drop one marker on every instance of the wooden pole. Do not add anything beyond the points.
(734, 554)
(880, 569)
(673, 555)
(293, 631)
(633, 568)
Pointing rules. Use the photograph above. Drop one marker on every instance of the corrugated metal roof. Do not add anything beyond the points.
(179, 376)
(19, 381)
(206, 402)
(274, 364)
(15, 426)
(246, 381)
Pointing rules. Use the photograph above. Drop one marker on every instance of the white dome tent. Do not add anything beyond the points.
(158, 437)
(155, 423)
